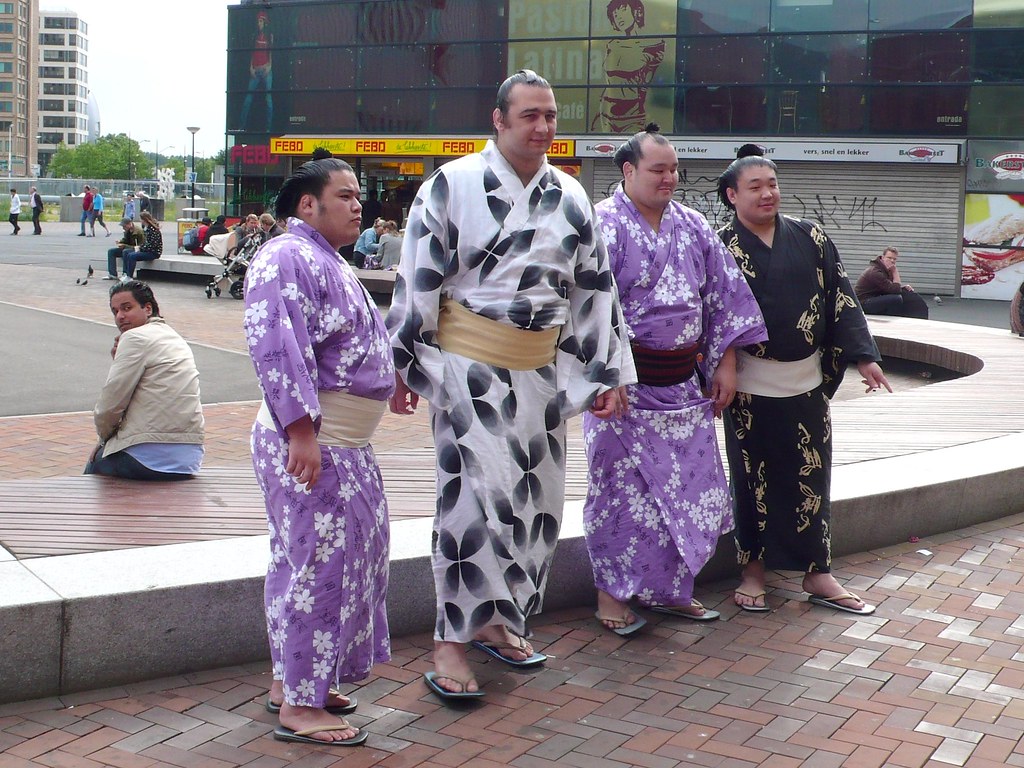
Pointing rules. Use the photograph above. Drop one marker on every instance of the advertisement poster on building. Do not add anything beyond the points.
(634, 51)
(993, 254)
(606, 60)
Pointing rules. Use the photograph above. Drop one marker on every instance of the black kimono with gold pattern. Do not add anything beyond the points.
(780, 448)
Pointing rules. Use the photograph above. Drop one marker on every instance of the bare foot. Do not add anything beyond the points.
(453, 672)
(506, 642)
(612, 613)
(693, 609)
(825, 585)
(750, 592)
(307, 718)
(334, 699)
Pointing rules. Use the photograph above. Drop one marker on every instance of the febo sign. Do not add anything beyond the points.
(251, 154)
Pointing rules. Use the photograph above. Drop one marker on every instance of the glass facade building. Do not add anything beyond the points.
(880, 68)
(873, 105)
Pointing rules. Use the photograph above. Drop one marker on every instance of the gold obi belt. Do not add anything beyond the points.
(346, 421)
(461, 331)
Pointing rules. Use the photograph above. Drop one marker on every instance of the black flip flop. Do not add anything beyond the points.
(302, 737)
(430, 678)
(494, 650)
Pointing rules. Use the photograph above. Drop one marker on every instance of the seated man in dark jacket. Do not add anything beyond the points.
(881, 292)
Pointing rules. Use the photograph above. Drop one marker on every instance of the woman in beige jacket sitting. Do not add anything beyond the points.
(149, 418)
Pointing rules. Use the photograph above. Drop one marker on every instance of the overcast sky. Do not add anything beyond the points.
(156, 68)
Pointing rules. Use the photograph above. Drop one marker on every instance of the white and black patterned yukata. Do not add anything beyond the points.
(529, 257)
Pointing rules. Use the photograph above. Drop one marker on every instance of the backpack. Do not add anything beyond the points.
(190, 240)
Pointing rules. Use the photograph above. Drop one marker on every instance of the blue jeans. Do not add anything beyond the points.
(132, 257)
(113, 254)
(261, 81)
(123, 464)
(85, 215)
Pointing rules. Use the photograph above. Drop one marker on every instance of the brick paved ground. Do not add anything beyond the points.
(934, 678)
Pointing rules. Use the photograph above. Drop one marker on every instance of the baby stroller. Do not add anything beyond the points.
(235, 260)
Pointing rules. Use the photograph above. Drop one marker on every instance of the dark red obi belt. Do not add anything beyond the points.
(665, 367)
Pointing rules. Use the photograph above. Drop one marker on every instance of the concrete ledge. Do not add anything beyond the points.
(88, 621)
(376, 280)
(78, 622)
(182, 264)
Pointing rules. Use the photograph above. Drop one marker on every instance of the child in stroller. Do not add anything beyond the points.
(234, 251)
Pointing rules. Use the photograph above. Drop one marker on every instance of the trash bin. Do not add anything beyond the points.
(194, 214)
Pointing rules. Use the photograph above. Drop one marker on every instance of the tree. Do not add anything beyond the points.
(115, 156)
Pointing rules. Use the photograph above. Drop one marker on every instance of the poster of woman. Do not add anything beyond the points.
(631, 62)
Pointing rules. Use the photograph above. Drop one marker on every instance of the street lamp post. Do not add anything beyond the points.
(193, 131)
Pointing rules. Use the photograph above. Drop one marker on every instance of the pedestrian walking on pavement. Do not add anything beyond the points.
(36, 202)
(15, 211)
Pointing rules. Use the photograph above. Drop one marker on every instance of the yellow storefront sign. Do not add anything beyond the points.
(395, 146)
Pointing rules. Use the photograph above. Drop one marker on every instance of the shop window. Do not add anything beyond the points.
(935, 111)
(394, 66)
(321, 68)
(996, 111)
(456, 20)
(467, 65)
(462, 110)
(819, 59)
(321, 25)
(998, 56)
(722, 61)
(722, 110)
(819, 15)
(914, 14)
(393, 111)
(930, 57)
(332, 111)
(714, 17)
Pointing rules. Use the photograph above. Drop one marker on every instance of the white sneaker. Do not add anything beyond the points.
(125, 278)
(111, 277)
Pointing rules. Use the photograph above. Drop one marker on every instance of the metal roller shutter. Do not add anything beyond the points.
(863, 207)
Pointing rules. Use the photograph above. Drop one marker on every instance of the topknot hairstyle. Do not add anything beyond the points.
(310, 178)
(631, 151)
(747, 156)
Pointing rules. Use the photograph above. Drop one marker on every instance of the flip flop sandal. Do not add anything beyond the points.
(332, 709)
(754, 608)
(430, 678)
(834, 604)
(679, 611)
(626, 631)
(303, 737)
(495, 650)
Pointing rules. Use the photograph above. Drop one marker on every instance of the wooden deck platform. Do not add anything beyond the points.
(86, 514)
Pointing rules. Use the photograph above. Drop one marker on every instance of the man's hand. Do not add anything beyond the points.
(612, 402)
(404, 401)
(723, 383)
(113, 349)
(872, 376)
(303, 452)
